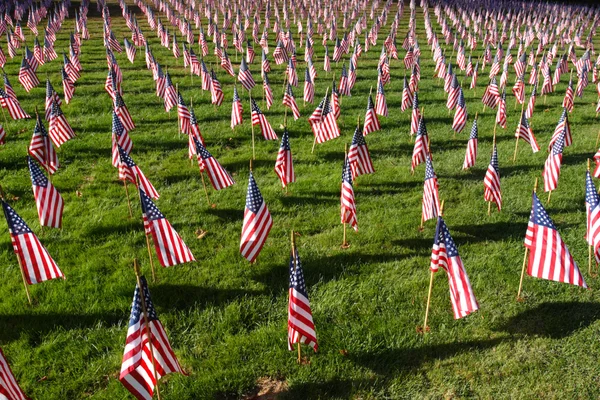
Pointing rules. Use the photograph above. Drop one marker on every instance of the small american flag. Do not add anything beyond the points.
(492, 94)
(445, 255)
(519, 89)
(549, 257)
(130, 50)
(501, 114)
(9, 388)
(37, 264)
(568, 101)
(371, 121)
(51, 95)
(170, 248)
(524, 132)
(531, 104)
(170, 95)
(358, 156)
(68, 86)
(301, 328)
(284, 166)
(129, 171)
(407, 96)
(563, 126)
(267, 91)
(265, 65)
(27, 76)
(491, 182)
(453, 93)
(431, 199)
(292, 75)
(460, 115)
(245, 76)
(380, 101)
(59, 129)
(216, 92)
(49, 202)
(553, 164)
(237, 109)
(592, 202)
(471, 154)
(41, 149)
(123, 113)
(146, 341)
(219, 178)
(327, 128)
(335, 101)
(258, 118)
(183, 114)
(348, 205)
(309, 87)
(121, 138)
(257, 222)
(421, 148)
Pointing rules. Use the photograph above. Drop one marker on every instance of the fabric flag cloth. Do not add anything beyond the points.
(129, 171)
(491, 182)
(371, 121)
(460, 115)
(146, 341)
(290, 101)
(123, 113)
(170, 248)
(524, 132)
(563, 126)
(49, 202)
(445, 255)
(326, 126)
(59, 129)
(348, 205)
(358, 156)
(421, 148)
(592, 207)
(12, 105)
(121, 138)
(549, 257)
(35, 261)
(258, 118)
(219, 178)
(257, 222)
(553, 164)
(183, 114)
(301, 327)
(284, 166)
(471, 154)
(431, 198)
(9, 388)
(237, 109)
(41, 149)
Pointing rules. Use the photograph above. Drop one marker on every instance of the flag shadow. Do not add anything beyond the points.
(183, 297)
(334, 388)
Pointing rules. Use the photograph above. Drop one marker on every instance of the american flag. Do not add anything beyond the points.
(563, 126)
(549, 257)
(265, 65)
(292, 75)
(501, 113)
(205, 76)
(301, 328)
(129, 171)
(407, 96)
(120, 138)
(250, 54)
(453, 93)
(309, 87)
(258, 118)
(460, 115)
(49, 202)
(421, 148)
(474, 76)
(371, 121)
(68, 86)
(471, 154)
(219, 178)
(9, 388)
(146, 342)
(59, 129)
(284, 165)
(524, 132)
(27, 76)
(568, 101)
(380, 102)
(491, 182)
(170, 248)
(531, 104)
(51, 96)
(41, 149)
(280, 54)
(2, 135)
(194, 134)
(358, 156)
(326, 61)
(492, 94)
(344, 87)
(431, 198)
(170, 95)
(553, 164)
(216, 93)
(245, 76)
(521, 64)
(268, 92)
(237, 109)
(445, 255)
(327, 127)
(257, 222)
(592, 202)
(183, 114)
(335, 101)
(123, 113)
(35, 261)
(415, 117)
(519, 89)
(130, 50)
(348, 205)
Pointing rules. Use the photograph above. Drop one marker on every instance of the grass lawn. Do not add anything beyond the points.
(227, 319)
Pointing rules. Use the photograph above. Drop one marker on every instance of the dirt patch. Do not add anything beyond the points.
(268, 388)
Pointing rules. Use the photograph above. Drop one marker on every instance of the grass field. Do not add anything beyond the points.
(227, 319)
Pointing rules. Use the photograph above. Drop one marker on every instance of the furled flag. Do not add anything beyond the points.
(258, 118)
(2, 135)
(123, 113)
(120, 138)
(170, 95)
(431, 199)
(183, 114)
(592, 207)
(129, 171)
(553, 164)
(51, 96)
(237, 109)
(9, 388)
(524, 132)
(58, 128)
(519, 89)
(148, 355)
(284, 166)
(245, 76)
(219, 178)
(445, 255)
(348, 205)
(549, 257)
(358, 156)
(41, 149)
(335, 101)
(568, 101)
(68, 86)
(290, 101)
(49, 202)
(407, 96)
(491, 182)
(380, 102)
(216, 93)
(130, 49)
(309, 87)
(371, 121)
(531, 104)
(194, 134)
(301, 328)
(257, 222)
(36, 263)
(268, 92)
(421, 149)
(460, 115)
(170, 248)
(501, 114)
(471, 154)
(562, 126)
(27, 76)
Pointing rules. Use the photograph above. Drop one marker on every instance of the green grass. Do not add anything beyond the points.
(226, 319)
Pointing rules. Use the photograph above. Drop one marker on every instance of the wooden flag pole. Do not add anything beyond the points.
(137, 180)
(252, 126)
(549, 194)
(315, 141)
(204, 185)
(293, 240)
(19, 260)
(146, 323)
(525, 256)
(425, 327)
(517, 143)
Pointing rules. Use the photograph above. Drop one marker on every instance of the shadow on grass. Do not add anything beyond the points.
(227, 214)
(334, 388)
(553, 320)
(184, 297)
